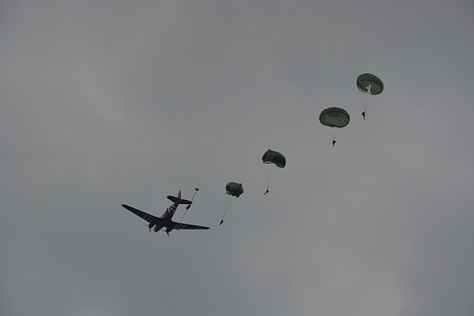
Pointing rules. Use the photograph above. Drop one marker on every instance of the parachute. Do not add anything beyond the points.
(368, 84)
(233, 189)
(334, 118)
(275, 158)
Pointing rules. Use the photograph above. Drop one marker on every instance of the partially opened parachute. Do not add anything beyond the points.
(234, 189)
(271, 157)
(369, 86)
(334, 118)
(274, 157)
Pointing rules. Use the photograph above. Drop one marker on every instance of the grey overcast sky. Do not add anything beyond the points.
(111, 102)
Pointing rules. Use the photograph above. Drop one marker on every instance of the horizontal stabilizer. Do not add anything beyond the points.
(177, 200)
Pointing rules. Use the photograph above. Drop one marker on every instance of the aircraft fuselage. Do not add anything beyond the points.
(166, 219)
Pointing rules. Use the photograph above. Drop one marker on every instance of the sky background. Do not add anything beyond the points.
(111, 102)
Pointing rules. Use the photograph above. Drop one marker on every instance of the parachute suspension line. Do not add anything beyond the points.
(267, 179)
(367, 102)
(367, 99)
(192, 199)
(334, 132)
(228, 202)
(270, 175)
(189, 205)
(362, 101)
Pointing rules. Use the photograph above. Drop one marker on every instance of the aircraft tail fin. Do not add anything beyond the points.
(178, 200)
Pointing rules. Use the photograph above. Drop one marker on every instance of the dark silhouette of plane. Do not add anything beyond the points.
(165, 221)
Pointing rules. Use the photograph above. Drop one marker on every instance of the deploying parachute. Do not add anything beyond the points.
(368, 84)
(334, 118)
(275, 158)
(189, 205)
(233, 189)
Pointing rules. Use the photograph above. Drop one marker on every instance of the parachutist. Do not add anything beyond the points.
(334, 118)
(275, 158)
(369, 85)
(233, 189)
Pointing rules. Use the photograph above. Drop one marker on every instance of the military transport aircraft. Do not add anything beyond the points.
(165, 219)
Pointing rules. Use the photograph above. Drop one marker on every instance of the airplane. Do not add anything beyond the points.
(166, 219)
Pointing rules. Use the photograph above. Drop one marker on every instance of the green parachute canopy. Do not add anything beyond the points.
(274, 157)
(334, 117)
(234, 189)
(369, 84)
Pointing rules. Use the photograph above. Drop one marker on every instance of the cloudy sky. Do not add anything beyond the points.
(111, 102)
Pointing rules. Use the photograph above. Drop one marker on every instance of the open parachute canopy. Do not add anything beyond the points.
(369, 84)
(274, 157)
(234, 189)
(334, 117)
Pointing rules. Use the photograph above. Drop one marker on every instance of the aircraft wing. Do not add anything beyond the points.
(179, 226)
(148, 217)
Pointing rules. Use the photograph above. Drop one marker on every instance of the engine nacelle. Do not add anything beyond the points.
(157, 228)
